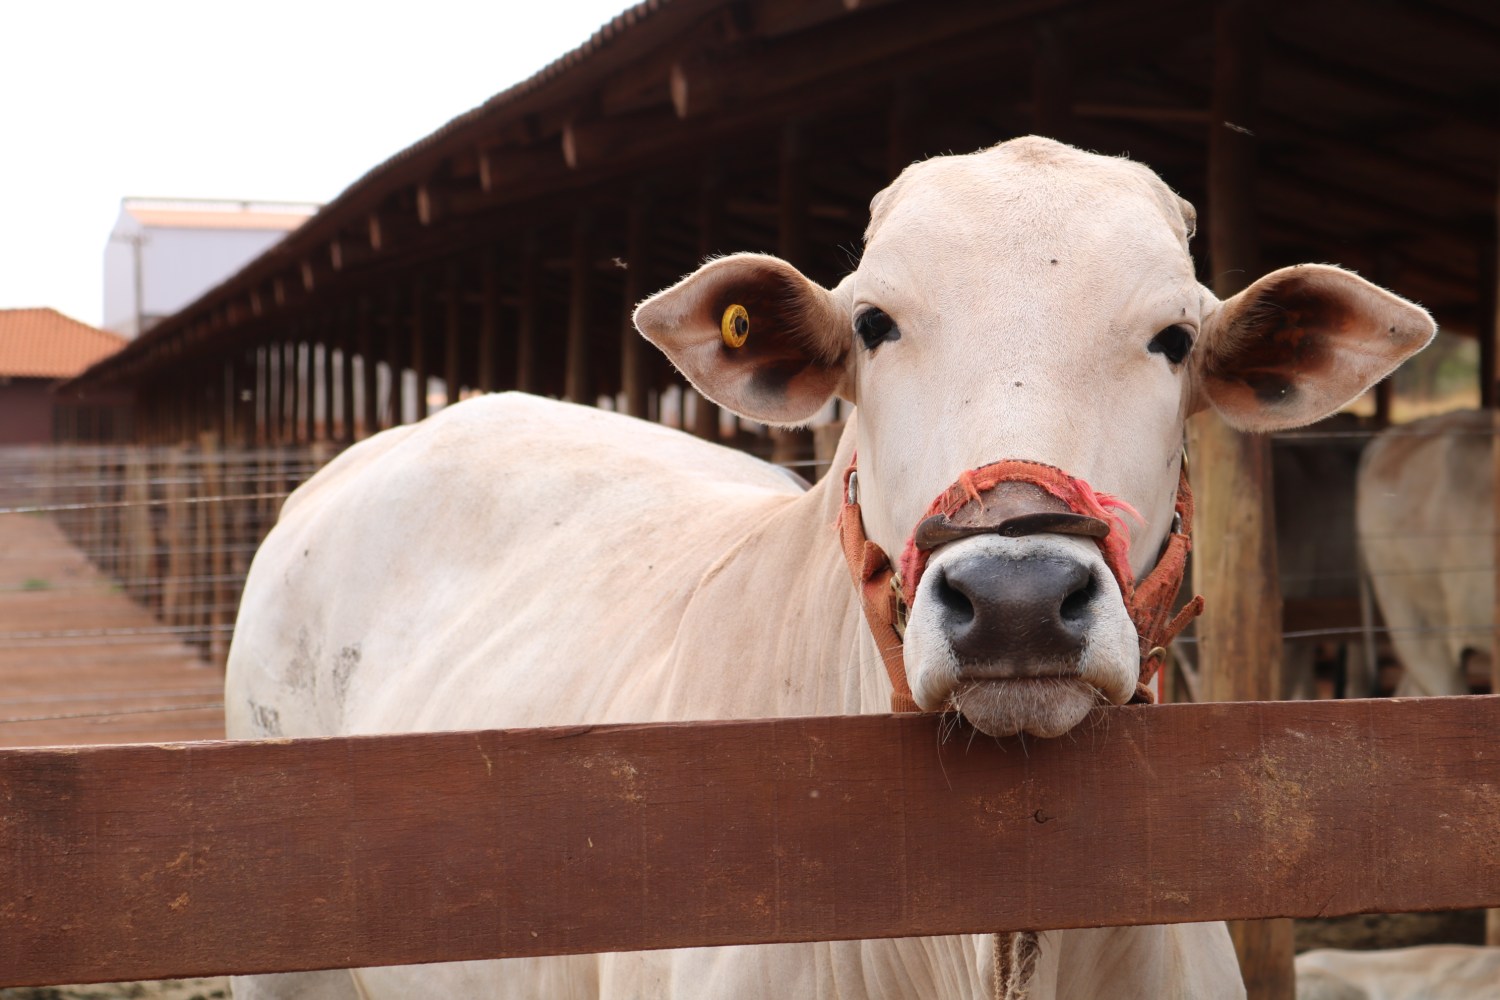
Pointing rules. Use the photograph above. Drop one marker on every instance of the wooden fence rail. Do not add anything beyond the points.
(149, 861)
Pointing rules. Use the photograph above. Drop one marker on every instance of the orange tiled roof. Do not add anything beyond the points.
(43, 343)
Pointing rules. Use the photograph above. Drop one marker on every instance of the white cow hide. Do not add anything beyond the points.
(1426, 517)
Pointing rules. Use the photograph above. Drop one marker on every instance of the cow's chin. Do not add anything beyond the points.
(1041, 706)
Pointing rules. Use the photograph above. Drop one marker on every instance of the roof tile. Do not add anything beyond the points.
(43, 343)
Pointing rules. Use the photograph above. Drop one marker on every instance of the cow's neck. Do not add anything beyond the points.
(782, 594)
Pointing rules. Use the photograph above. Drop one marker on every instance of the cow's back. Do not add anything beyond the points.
(1426, 520)
(511, 561)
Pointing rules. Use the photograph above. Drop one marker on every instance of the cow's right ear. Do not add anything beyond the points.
(753, 335)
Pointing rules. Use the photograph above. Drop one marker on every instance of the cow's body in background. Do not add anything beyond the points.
(1426, 519)
(1425, 972)
(517, 562)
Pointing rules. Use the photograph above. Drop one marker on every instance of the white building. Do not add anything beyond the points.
(165, 252)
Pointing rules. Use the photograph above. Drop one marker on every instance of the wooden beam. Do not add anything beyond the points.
(715, 80)
(576, 387)
(501, 166)
(346, 251)
(431, 203)
(144, 861)
(1234, 558)
(593, 141)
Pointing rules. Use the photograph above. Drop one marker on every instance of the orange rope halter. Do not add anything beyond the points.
(885, 596)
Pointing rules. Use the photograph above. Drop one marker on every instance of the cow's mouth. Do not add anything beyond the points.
(1037, 706)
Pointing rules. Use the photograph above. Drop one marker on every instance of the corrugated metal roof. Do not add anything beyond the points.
(43, 343)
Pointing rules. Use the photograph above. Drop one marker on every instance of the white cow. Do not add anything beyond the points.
(1426, 972)
(518, 562)
(1426, 517)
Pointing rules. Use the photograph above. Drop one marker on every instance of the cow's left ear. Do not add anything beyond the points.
(753, 335)
(1302, 342)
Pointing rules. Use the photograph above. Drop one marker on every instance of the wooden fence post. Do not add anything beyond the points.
(1490, 279)
(1234, 557)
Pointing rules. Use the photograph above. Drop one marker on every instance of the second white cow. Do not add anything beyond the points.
(1426, 515)
(517, 562)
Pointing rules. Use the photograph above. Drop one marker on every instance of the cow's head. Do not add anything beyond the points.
(1030, 301)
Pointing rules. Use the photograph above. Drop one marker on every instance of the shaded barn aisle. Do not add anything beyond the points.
(80, 662)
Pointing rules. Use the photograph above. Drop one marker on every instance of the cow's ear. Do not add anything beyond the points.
(753, 335)
(1300, 343)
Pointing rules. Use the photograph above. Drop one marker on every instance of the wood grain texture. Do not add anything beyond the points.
(150, 861)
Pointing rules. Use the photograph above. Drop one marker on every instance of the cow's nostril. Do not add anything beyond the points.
(1074, 609)
(960, 610)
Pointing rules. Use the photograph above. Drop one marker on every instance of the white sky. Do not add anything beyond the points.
(270, 100)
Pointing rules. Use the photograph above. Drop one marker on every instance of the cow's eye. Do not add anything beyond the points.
(1174, 343)
(875, 328)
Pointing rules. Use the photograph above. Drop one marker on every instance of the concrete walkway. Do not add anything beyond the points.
(80, 662)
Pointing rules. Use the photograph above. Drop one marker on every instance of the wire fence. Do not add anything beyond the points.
(175, 529)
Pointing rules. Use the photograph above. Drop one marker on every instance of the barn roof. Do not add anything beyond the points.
(1376, 134)
(43, 343)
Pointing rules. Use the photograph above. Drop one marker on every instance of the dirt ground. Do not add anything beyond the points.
(168, 989)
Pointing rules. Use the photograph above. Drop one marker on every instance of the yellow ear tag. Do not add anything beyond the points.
(735, 326)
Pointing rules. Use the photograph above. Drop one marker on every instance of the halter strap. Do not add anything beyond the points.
(885, 596)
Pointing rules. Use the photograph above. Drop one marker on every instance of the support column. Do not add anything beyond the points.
(710, 237)
(633, 347)
(1234, 556)
(419, 363)
(1489, 335)
(369, 414)
(452, 336)
(330, 376)
(289, 390)
(489, 319)
(312, 377)
(790, 445)
(275, 358)
(576, 383)
(526, 314)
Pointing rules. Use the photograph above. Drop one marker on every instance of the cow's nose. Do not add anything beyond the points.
(1015, 617)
